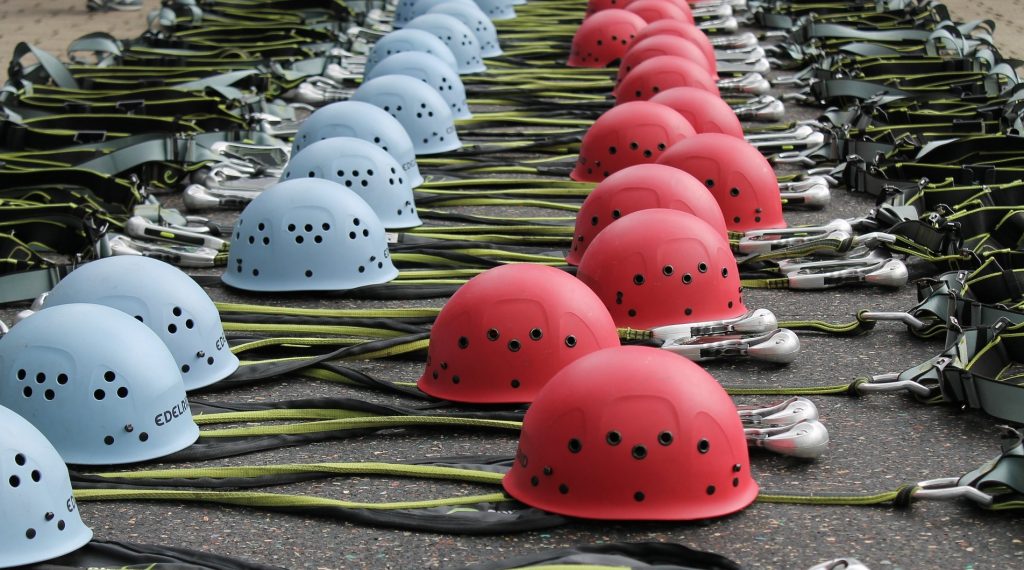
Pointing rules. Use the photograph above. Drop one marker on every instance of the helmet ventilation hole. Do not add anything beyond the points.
(514, 345)
(493, 334)
(711, 490)
(639, 496)
(665, 438)
(703, 446)
(575, 445)
(639, 452)
(536, 334)
(570, 341)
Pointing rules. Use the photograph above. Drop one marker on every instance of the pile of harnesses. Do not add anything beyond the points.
(375, 152)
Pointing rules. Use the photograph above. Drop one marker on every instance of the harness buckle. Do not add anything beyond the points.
(749, 83)
(785, 413)
(906, 318)
(949, 488)
(891, 383)
(888, 273)
(779, 346)
(804, 440)
(753, 322)
(90, 137)
(263, 156)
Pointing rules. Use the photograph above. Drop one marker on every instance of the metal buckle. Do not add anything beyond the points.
(750, 83)
(725, 24)
(753, 322)
(90, 137)
(889, 273)
(741, 40)
(892, 383)
(742, 54)
(753, 65)
(804, 440)
(840, 564)
(785, 413)
(949, 488)
(815, 196)
(762, 108)
(139, 227)
(264, 156)
(198, 197)
(779, 346)
(894, 316)
(182, 256)
(710, 11)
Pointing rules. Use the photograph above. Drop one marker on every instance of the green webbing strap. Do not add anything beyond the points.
(985, 382)
(388, 313)
(52, 67)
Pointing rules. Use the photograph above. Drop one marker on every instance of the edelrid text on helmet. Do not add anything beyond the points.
(366, 169)
(470, 14)
(642, 187)
(740, 178)
(100, 385)
(308, 234)
(660, 267)
(362, 121)
(404, 40)
(418, 107)
(508, 330)
(662, 73)
(707, 112)
(628, 134)
(457, 36)
(604, 38)
(39, 518)
(163, 298)
(632, 433)
(682, 30)
(431, 71)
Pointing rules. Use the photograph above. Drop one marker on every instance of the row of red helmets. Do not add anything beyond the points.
(624, 432)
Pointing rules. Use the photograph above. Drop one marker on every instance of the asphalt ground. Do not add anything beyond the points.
(878, 443)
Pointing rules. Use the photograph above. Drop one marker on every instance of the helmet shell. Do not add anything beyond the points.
(308, 234)
(406, 10)
(662, 73)
(604, 38)
(628, 134)
(738, 175)
(505, 332)
(100, 385)
(470, 14)
(366, 169)
(642, 187)
(457, 36)
(655, 46)
(39, 518)
(420, 109)
(707, 112)
(655, 10)
(361, 120)
(663, 267)
(404, 40)
(431, 71)
(163, 298)
(498, 9)
(682, 30)
(633, 433)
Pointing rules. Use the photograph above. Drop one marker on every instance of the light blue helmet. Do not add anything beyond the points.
(362, 121)
(497, 9)
(99, 384)
(163, 298)
(363, 167)
(400, 41)
(422, 111)
(431, 71)
(308, 234)
(467, 12)
(409, 9)
(39, 518)
(457, 36)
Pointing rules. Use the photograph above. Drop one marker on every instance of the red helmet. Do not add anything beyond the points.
(682, 30)
(706, 112)
(633, 433)
(628, 134)
(654, 10)
(603, 38)
(740, 178)
(595, 6)
(642, 187)
(504, 333)
(662, 73)
(640, 52)
(663, 267)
